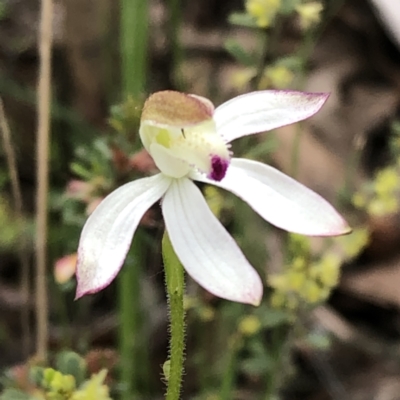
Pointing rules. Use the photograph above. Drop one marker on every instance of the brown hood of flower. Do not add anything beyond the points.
(176, 109)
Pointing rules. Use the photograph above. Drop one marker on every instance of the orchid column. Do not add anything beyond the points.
(189, 141)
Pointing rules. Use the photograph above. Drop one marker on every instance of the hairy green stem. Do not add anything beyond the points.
(174, 277)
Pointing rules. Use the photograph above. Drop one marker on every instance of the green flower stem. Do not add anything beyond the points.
(304, 55)
(130, 321)
(295, 151)
(174, 278)
(174, 24)
(264, 53)
(134, 35)
(280, 345)
(133, 45)
(228, 378)
(269, 46)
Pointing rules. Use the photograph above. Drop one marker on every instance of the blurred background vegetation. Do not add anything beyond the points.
(329, 324)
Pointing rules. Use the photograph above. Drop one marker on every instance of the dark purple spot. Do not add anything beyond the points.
(218, 168)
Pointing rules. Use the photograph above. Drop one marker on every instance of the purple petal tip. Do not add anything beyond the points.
(83, 292)
(255, 302)
(79, 292)
(78, 296)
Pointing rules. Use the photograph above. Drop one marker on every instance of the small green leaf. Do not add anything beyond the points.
(36, 375)
(271, 318)
(236, 50)
(14, 394)
(242, 19)
(81, 171)
(4, 10)
(4, 178)
(166, 369)
(70, 363)
(294, 63)
(288, 6)
(320, 341)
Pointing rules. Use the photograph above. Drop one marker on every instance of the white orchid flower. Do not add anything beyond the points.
(189, 141)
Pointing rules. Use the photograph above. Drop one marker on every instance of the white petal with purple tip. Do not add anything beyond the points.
(108, 232)
(280, 200)
(264, 110)
(207, 251)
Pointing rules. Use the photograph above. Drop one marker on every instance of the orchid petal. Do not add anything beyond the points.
(265, 110)
(207, 251)
(108, 232)
(389, 14)
(280, 200)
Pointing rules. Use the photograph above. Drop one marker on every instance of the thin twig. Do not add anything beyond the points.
(11, 159)
(43, 133)
(19, 210)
